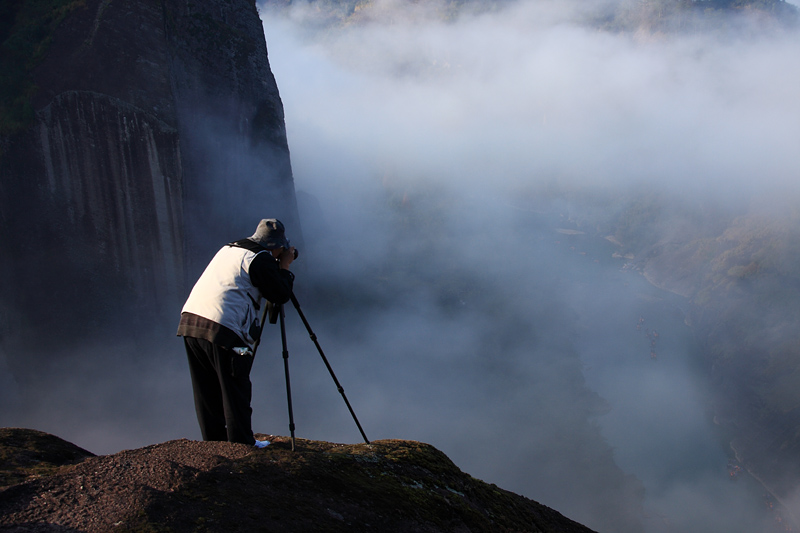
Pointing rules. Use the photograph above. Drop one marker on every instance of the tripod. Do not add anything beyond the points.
(276, 312)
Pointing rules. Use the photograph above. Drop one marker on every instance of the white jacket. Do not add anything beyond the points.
(225, 294)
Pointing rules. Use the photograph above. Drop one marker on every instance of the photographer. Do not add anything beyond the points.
(221, 327)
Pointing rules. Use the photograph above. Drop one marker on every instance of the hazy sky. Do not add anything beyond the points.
(523, 94)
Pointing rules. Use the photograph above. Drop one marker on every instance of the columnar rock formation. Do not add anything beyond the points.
(158, 135)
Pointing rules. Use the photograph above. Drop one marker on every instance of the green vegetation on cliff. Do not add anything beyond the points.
(26, 31)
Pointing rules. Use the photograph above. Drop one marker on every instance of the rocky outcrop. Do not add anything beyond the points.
(388, 485)
(158, 134)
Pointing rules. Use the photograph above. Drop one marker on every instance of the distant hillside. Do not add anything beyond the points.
(739, 270)
(635, 16)
(387, 486)
(671, 16)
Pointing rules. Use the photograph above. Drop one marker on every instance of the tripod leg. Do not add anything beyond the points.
(327, 365)
(286, 372)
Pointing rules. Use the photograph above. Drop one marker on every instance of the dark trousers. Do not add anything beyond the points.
(222, 391)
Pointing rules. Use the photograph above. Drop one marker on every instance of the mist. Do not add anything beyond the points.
(419, 150)
(448, 290)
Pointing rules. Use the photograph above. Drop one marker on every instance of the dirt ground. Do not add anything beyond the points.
(389, 486)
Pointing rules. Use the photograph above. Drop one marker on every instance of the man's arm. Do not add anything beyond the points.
(271, 277)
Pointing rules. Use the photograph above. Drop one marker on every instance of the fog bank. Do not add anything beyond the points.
(424, 147)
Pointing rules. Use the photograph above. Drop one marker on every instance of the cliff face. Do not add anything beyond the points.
(230, 116)
(157, 136)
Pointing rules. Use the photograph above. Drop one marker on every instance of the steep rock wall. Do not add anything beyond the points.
(158, 136)
(231, 116)
(134, 212)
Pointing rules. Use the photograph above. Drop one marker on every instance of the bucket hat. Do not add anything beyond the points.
(270, 234)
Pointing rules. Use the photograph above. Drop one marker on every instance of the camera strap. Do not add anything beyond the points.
(247, 244)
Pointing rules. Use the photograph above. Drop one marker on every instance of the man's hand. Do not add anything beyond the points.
(287, 257)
